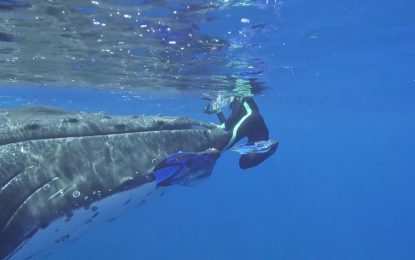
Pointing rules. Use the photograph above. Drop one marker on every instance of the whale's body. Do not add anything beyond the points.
(56, 163)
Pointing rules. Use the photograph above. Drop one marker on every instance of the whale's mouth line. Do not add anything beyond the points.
(22, 203)
(9, 180)
(103, 134)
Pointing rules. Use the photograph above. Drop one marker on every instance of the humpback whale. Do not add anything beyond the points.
(58, 167)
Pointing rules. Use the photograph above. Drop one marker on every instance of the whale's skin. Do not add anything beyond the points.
(54, 162)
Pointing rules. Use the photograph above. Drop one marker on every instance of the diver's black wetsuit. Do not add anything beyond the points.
(246, 121)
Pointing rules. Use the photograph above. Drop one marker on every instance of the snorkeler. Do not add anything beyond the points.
(245, 120)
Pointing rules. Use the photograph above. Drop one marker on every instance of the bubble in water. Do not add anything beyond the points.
(244, 20)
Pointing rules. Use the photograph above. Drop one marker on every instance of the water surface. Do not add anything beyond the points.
(335, 83)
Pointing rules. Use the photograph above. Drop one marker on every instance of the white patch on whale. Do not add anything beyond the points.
(71, 228)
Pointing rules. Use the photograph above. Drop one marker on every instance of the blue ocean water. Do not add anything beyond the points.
(339, 97)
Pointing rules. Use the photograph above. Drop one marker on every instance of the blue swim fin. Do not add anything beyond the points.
(183, 167)
(165, 173)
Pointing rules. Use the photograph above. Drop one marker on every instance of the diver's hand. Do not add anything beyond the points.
(208, 109)
(216, 104)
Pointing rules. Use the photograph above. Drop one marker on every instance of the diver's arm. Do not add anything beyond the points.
(232, 119)
(236, 114)
(221, 117)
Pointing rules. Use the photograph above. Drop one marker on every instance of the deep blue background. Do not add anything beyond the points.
(340, 99)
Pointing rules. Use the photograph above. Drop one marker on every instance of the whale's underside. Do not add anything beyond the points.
(54, 161)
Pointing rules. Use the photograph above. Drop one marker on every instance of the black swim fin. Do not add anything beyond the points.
(251, 160)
